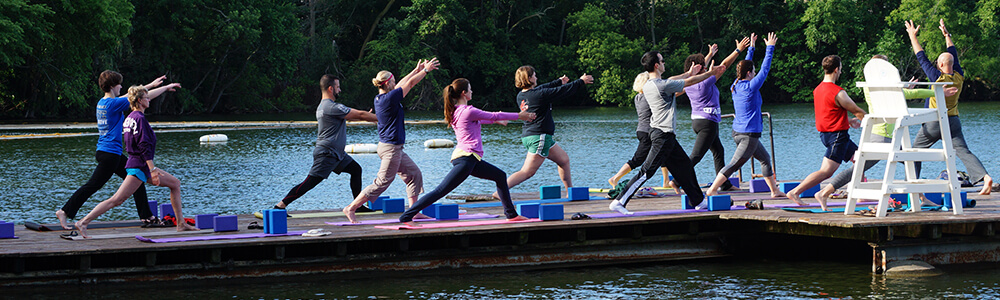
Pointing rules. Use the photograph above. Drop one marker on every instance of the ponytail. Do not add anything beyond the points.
(381, 79)
(743, 68)
(450, 95)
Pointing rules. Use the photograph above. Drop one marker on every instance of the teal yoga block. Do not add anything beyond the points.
(549, 192)
(446, 212)
(685, 204)
(579, 193)
(528, 210)
(206, 221)
(226, 223)
(275, 221)
(550, 212)
(393, 205)
(719, 202)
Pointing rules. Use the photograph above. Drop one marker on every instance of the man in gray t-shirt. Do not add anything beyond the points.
(329, 155)
(664, 150)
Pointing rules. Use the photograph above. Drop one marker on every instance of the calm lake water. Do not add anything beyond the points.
(256, 168)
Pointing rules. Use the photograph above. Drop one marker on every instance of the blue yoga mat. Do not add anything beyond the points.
(540, 201)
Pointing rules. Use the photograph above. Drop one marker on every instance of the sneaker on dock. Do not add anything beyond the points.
(618, 207)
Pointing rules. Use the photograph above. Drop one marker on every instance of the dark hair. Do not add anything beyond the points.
(880, 56)
(831, 63)
(452, 92)
(694, 59)
(649, 60)
(326, 81)
(522, 77)
(743, 68)
(108, 80)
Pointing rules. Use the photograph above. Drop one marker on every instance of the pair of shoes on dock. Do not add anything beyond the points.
(154, 222)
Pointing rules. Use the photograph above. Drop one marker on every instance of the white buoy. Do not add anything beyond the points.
(439, 143)
(361, 148)
(214, 138)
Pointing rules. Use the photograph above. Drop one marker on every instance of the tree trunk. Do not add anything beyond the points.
(372, 29)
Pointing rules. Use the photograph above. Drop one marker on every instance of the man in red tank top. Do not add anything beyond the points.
(832, 104)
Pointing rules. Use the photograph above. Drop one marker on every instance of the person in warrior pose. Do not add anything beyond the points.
(642, 134)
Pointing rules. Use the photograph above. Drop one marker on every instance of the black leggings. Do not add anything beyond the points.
(666, 152)
(708, 139)
(463, 167)
(311, 181)
(640, 152)
(107, 164)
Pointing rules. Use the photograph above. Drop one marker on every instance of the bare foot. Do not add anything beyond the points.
(411, 224)
(711, 192)
(822, 201)
(82, 228)
(795, 197)
(517, 218)
(674, 186)
(987, 185)
(777, 194)
(612, 182)
(495, 196)
(61, 215)
(421, 216)
(350, 215)
(184, 226)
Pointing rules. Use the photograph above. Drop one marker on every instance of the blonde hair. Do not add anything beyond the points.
(381, 79)
(640, 80)
(522, 78)
(136, 93)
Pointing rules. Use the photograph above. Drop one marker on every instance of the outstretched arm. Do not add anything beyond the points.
(155, 83)
(712, 50)
(418, 73)
(911, 31)
(925, 64)
(160, 90)
(713, 71)
(740, 46)
(360, 115)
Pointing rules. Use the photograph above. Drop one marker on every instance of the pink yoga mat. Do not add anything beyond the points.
(390, 221)
(456, 224)
(215, 237)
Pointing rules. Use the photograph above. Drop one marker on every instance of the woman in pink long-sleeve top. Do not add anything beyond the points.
(468, 155)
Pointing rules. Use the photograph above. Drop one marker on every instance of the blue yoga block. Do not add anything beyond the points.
(550, 192)
(430, 211)
(225, 223)
(759, 186)
(719, 202)
(937, 198)
(393, 205)
(6, 230)
(206, 221)
(684, 202)
(153, 206)
(275, 221)
(735, 181)
(670, 177)
(784, 187)
(377, 203)
(528, 210)
(946, 200)
(579, 193)
(550, 212)
(446, 212)
(810, 193)
(166, 209)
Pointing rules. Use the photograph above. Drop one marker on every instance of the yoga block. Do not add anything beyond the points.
(719, 202)
(528, 210)
(735, 181)
(275, 221)
(206, 221)
(810, 193)
(393, 205)
(670, 177)
(937, 198)
(153, 206)
(550, 192)
(377, 203)
(166, 209)
(787, 186)
(430, 211)
(579, 193)
(550, 212)
(684, 202)
(446, 212)
(759, 186)
(6, 230)
(225, 223)
(946, 200)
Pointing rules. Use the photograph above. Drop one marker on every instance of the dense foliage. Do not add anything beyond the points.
(239, 56)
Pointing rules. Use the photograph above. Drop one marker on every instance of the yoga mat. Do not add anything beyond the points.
(129, 235)
(455, 224)
(541, 201)
(734, 207)
(389, 221)
(216, 237)
(325, 214)
(859, 207)
(95, 225)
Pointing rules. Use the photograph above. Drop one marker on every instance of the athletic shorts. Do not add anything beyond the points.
(839, 147)
(326, 161)
(538, 144)
(138, 173)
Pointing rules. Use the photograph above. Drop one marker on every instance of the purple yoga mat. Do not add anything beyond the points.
(215, 237)
(390, 221)
(681, 211)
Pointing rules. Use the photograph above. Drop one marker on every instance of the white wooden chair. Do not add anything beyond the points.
(888, 105)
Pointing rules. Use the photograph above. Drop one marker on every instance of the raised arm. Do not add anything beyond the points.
(753, 44)
(951, 47)
(360, 115)
(160, 90)
(155, 83)
(911, 31)
(713, 71)
(758, 80)
(740, 46)
(712, 50)
(418, 73)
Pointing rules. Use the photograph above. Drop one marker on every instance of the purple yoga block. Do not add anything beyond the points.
(166, 209)
(719, 202)
(528, 210)
(550, 212)
(759, 186)
(685, 203)
(430, 211)
(6, 230)
(275, 221)
(446, 212)
(206, 221)
(579, 193)
(393, 205)
(549, 192)
(225, 223)
(735, 181)
(153, 206)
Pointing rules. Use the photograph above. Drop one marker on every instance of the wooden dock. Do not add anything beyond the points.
(936, 237)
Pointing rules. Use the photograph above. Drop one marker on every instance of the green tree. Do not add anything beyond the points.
(602, 48)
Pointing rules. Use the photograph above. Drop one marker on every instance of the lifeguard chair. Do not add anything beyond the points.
(888, 105)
